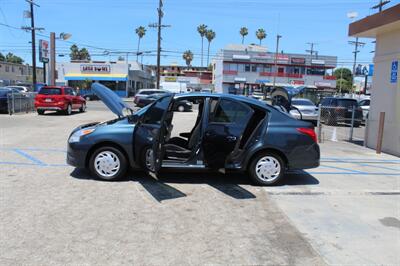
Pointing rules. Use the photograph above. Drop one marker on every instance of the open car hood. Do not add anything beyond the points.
(111, 100)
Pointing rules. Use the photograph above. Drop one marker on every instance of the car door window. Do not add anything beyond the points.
(155, 113)
(229, 112)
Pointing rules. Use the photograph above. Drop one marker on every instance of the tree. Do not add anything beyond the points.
(140, 31)
(244, 32)
(343, 86)
(76, 54)
(188, 57)
(202, 29)
(260, 34)
(210, 35)
(2, 57)
(344, 79)
(11, 58)
(343, 73)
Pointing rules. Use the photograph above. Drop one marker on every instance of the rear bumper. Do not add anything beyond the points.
(52, 107)
(304, 157)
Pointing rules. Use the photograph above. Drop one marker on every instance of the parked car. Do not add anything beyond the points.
(181, 106)
(21, 89)
(230, 132)
(90, 97)
(61, 99)
(4, 93)
(364, 104)
(339, 110)
(257, 95)
(305, 109)
(146, 92)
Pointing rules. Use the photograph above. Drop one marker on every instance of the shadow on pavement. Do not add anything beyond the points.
(229, 184)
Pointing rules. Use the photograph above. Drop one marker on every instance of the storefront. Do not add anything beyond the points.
(124, 79)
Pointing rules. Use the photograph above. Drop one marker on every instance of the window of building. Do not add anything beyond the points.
(240, 68)
(316, 71)
(7, 68)
(247, 67)
(12, 69)
(267, 68)
(253, 68)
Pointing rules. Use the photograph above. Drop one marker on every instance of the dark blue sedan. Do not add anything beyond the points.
(229, 133)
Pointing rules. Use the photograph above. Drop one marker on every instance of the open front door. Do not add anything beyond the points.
(160, 108)
(228, 120)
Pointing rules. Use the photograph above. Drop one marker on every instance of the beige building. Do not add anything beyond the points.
(11, 73)
(385, 93)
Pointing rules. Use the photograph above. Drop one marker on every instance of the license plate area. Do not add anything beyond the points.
(47, 100)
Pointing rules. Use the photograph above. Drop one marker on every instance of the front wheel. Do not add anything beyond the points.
(267, 169)
(83, 108)
(40, 112)
(181, 108)
(108, 163)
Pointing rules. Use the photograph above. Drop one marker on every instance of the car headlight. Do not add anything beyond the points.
(76, 137)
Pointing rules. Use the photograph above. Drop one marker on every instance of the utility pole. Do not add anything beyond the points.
(380, 5)
(311, 51)
(52, 59)
(355, 52)
(276, 58)
(32, 29)
(159, 26)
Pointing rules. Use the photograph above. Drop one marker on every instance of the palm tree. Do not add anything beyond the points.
(210, 35)
(202, 29)
(260, 33)
(140, 31)
(188, 57)
(243, 31)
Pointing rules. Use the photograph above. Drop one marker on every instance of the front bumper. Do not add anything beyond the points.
(77, 154)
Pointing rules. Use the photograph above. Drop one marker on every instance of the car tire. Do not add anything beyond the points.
(87, 98)
(266, 169)
(181, 108)
(146, 159)
(108, 163)
(68, 111)
(40, 112)
(357, 124)
(83, 108)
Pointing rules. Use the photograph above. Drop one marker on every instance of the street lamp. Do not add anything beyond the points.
(63, 36)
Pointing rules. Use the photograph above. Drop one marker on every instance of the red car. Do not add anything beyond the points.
(62, 99)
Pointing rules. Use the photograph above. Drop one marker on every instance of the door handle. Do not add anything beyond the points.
(231, 138)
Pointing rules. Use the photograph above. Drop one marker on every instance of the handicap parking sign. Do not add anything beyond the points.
(393, 74)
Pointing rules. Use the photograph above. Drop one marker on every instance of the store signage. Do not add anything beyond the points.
(170, 79)
(43, 51)
(238, 79)
(297, 82)
(394, 71)
(317, 62)
(90, 68)
(323, 84)
(282, 58)
(298, 60)
(241, 57)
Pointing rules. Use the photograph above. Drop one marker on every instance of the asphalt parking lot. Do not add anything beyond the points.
(345, 212)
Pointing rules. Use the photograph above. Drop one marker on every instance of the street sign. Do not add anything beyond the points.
(393, 74)
(43, 51)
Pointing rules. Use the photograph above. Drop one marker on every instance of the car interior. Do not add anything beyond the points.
(186, 144)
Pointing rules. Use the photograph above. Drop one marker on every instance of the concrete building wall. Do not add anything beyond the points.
(12, 73)
(385, 96)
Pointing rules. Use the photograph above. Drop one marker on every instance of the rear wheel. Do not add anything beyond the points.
(267, 169)
(87, 98)
(40, 112)
(68, 111)
(108, 163)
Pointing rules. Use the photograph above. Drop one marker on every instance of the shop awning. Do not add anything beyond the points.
(109, 77)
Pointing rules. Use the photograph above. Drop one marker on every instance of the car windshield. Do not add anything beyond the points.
(347, 103)
(302, 102)
(50, 91)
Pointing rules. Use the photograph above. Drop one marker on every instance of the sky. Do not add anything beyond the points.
(109, 25)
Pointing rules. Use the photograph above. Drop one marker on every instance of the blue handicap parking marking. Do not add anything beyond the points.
(32, 157)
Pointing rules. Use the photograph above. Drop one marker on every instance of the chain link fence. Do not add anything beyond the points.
(341, 124)
(21, 102)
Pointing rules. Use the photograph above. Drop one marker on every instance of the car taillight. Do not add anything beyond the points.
(308, 131)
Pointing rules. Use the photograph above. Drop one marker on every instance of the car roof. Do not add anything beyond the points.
(340, 98)
(224, 95)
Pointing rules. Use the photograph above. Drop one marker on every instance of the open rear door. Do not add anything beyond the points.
(162, 107)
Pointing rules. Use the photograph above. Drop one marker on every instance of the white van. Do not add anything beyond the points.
(174, 87)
